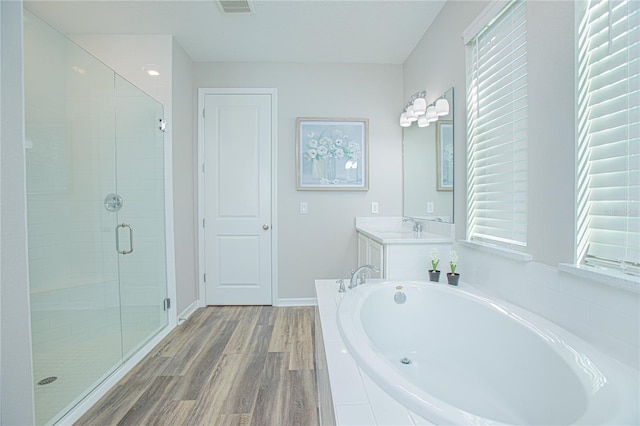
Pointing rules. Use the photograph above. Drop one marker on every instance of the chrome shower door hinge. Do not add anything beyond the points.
(163, 125)
(167, 304)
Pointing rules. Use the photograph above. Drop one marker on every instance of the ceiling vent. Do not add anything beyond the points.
(235, 7)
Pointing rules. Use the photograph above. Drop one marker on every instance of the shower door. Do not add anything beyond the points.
(97, 271)
(141, 227)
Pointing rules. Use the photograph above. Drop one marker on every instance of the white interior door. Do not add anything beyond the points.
(237, 192)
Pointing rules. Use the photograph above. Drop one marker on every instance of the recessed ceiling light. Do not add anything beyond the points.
(153, 72)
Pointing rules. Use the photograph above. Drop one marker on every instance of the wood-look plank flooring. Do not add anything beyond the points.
(226, 365)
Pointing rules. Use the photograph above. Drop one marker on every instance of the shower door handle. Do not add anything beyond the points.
(124, 225)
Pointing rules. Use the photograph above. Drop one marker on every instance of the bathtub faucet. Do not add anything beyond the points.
(354, 275)
(417, 225)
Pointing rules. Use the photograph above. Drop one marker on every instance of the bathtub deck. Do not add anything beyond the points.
(225, 365)
(356, 398)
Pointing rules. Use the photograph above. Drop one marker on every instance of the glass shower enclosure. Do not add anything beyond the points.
(95, 215)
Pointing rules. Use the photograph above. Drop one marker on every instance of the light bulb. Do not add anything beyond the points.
(442, 107)
(431, 114)
(419, 106)
(404, 121)
(411, 115)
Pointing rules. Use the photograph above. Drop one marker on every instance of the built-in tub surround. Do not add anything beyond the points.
(605, 316)
(472, 359)
(347, 396)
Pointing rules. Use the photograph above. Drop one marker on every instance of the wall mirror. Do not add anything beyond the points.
(428, 168)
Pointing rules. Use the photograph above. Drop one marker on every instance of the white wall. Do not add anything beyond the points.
(184, 177)
(605, 316)
(16, 384)
(435, 65)
(1, 48)
(322, 243)
(131, 56)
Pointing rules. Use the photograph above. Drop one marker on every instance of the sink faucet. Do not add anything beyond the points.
(354, 275)
(417, 225)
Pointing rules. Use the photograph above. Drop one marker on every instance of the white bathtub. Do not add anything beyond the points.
(476, 360)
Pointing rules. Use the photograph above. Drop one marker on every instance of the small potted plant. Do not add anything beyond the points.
(452, 276)
(434, 274)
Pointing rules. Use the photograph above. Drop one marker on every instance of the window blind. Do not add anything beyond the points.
(608, 104)
(497, 130)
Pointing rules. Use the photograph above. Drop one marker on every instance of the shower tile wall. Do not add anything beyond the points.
(69, 134)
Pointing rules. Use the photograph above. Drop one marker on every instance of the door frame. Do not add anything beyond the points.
(202, 92)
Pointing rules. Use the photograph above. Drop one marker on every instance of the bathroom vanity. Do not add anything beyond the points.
(397, 250)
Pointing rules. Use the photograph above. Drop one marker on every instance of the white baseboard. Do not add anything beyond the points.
(184, 315)
(301, 301)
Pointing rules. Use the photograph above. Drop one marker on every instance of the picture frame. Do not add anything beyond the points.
(444, 155)
(332, 154)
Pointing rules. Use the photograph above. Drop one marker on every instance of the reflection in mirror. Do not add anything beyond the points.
(428, 168)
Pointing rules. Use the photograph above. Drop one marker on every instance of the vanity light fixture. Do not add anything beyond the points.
(417, 110)
(414, 109)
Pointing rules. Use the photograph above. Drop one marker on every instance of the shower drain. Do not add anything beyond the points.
(405, 361)
(47, 380)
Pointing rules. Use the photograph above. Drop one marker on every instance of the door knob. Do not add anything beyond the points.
(265, 227)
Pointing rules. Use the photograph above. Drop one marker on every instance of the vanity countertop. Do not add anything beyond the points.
(392, 230)
(401, 235)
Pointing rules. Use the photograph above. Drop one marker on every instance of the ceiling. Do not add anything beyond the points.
(333, 31)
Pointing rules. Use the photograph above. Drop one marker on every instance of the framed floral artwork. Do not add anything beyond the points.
(332, 154)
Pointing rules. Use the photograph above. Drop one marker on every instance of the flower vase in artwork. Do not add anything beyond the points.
(352, 175)
(318, 167)
(331, 168)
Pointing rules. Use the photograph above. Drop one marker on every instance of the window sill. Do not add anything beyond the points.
(497, 250)
(608, 277)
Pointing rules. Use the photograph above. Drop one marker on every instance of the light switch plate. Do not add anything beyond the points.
(304, 208)
(429, 206)
(374, 207)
